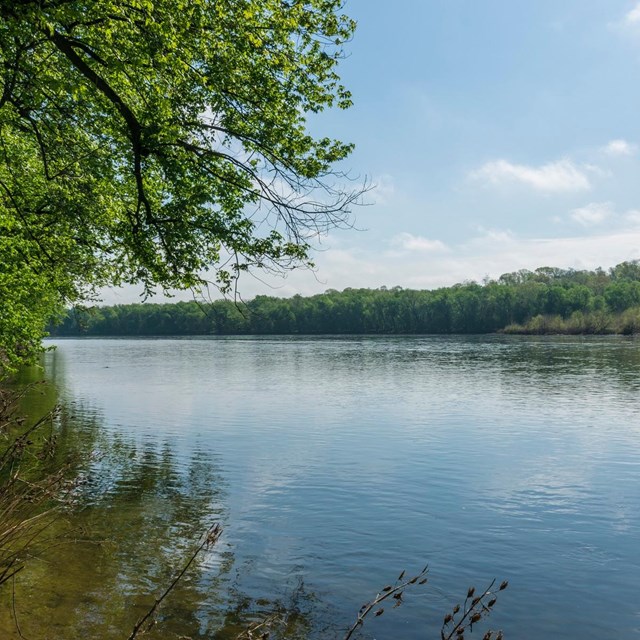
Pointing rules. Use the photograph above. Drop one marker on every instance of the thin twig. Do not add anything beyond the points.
(13, 605)
(394, 591)
(209, 539)
(473, 610)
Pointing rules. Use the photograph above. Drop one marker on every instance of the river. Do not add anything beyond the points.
(333, 464)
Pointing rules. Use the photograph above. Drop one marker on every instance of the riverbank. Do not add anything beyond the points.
(626, 323)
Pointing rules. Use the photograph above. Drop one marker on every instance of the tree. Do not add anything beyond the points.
(151, 140)
(626, 271)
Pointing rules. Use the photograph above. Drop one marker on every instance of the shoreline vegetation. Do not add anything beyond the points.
(546, 301)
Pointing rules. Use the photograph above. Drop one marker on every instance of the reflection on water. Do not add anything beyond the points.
(135, 522)
(334, 463)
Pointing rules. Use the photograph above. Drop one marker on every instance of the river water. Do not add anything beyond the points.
(333, 464)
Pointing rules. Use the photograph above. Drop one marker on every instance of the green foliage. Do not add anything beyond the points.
(545, 302)
(152, 140)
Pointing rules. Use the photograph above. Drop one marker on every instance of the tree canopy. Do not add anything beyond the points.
(151, 140)
(547, 300)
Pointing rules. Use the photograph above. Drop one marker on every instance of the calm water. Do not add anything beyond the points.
(335, 463)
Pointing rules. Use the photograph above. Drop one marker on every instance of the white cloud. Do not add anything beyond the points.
(384, 189)
(629, 23)
(497, 236)
(633, 17)
(620, 148)
(593, 213)
(492, 252)
(409, 242)
(597, 171)
(633, 216)
(560, 176)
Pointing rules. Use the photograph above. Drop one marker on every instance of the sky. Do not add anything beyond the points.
(498, 134)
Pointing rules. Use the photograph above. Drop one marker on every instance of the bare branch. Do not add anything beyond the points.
(209, 539)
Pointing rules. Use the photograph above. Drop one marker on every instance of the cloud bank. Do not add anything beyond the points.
(411, 261)
(554, 177)
(592, 214)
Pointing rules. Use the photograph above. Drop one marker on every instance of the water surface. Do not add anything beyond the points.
(333, 463)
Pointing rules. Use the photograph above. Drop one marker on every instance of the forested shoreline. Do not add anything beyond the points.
(545, 301)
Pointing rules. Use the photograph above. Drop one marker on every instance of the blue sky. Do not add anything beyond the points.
(500, 135)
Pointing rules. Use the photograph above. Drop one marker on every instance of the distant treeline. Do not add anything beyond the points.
(547, 300)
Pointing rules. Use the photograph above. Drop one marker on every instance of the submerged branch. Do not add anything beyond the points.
(209, 539)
